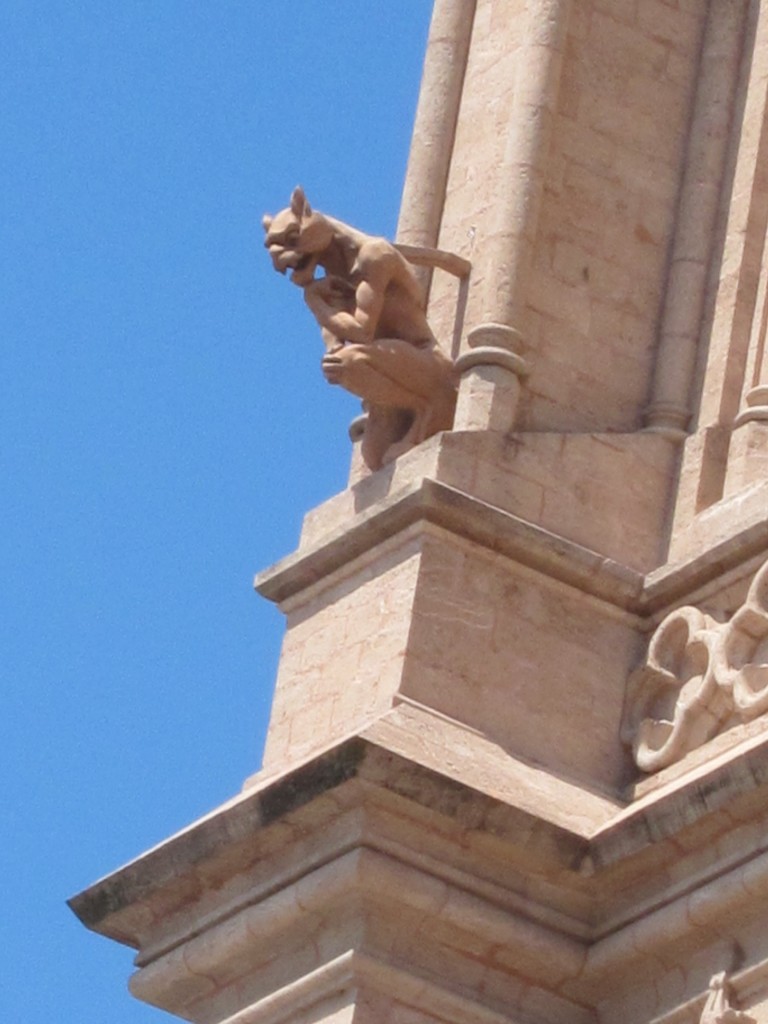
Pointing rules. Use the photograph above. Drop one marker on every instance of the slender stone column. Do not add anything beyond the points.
(492, 369)
(669, 410)
(435, 127)
(489, 384)
(748, 448)
(755, 402)
(509, 246)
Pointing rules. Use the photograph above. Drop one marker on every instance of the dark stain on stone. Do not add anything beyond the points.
(312, 780)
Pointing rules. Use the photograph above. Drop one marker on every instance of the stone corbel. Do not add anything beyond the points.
(489, 374)
(699, 677)
(718, 1009)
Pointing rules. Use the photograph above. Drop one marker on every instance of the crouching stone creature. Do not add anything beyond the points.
(369, 306)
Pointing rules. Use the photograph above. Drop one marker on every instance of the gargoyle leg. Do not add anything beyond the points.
(392, 372)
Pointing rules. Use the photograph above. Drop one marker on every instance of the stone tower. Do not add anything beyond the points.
(517, 766)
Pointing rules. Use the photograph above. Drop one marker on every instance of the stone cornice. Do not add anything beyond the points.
(427, 501)
(577, 859)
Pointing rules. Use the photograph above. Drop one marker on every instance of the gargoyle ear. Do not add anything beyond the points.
(299, 206)
(266, 222)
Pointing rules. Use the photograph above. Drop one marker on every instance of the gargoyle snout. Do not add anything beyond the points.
(282, 260)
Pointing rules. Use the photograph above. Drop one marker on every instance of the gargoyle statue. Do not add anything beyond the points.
(370, 310)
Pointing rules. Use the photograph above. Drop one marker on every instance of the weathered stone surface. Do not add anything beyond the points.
(420, 844)
(448, 828)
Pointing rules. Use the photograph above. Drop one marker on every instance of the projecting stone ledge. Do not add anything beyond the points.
(429, 501)
(347, 881)
(605, 492)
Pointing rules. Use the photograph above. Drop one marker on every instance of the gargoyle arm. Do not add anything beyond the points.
(359, 326)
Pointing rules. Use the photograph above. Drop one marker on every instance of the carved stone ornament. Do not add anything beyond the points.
(370, 308)
(699, 677)
(718, 1009)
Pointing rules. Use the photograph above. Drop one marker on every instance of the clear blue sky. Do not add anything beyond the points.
(164, 422)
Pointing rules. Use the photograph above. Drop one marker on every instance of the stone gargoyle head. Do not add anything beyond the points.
(296, 238)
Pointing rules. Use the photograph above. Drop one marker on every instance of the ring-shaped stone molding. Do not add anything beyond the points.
(488, 356)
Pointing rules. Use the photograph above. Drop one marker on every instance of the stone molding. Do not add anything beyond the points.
(428, 501)
(698, 202)
(490, 356)
(425, 500)
(756, 411)
(490, 372)
(390, 836)
(492, 344)
(699, 678)
(362, 883)
(354, 970)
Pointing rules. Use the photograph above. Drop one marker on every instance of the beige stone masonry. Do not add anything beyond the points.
(683, 309)
(452, 627)
(747, 457)
(608, 492)
(344, 650)
(718, 463)
(726, 521)
(430, 869)
(445, 589)
(573, 249)
(517, 765)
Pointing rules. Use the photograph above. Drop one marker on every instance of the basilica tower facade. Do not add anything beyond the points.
(517, 765)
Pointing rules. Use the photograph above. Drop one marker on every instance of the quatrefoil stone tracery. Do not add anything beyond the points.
(699, 677)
